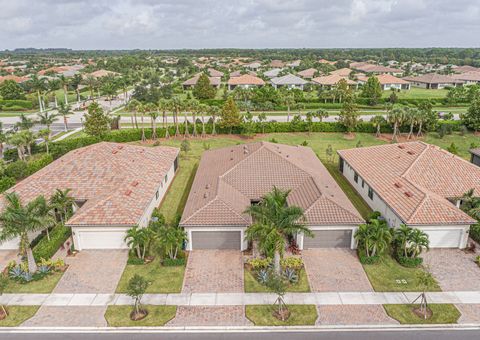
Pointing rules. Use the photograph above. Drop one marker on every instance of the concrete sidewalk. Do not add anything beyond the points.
(234, 299)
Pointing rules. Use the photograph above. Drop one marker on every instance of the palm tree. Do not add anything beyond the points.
(18, 140)
(92, 84)
(380, 236)
(186, 106)
(164, 105)
(19, 220)
(377, 123)
(64, 82)
(62, 202)
(214, 112)
(29, 140)
(177, 107)
(47, 119)
(418, 242)
(471, 204)
(45, 134)
(45, 211)
(396, 117)
(135, 240)
(362, 236)
(25, 123)
(132, 107)
(52, 86)
(153, 113)
(412, 118)
(402, 237)
(143, 108)
(202, 109)
(194, 107)
(3, 139)
(171, 239)
(288, 100)
(274, 221)
(38, 85)
(64, 111)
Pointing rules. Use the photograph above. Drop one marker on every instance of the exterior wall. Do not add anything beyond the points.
(377, 204)
(189, 230)
(245, 86)
(162, 189)
(421, 85)
(353, 245)
(391, 86)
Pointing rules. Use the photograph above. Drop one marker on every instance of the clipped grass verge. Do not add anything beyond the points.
(119, 316)
(300, 315)
(17, 315)
(442, 314)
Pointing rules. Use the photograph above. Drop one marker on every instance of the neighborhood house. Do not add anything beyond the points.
(115, 187)
(230, 179)
(416, 184)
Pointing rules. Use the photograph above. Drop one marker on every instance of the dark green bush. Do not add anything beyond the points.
(409, 262)
(45, 249)
(167, 262)
(17, 170)
(475, 232)
(6, 183)
(364, 259)
(22, 104)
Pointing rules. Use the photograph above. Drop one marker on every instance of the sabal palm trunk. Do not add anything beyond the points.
(39, 102)
(410, 133)
(194, 133)
(187, 133)
(143, 129)
(420, 126)
(65, 94)
(177, 129)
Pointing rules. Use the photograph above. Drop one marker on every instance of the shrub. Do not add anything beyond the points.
(364, 259)
(409, 262)
(475, 232)
(292, 263)
(17, 170)
(260, 263)
(290, 275)
(135, 261)
(168, 262)
(45, 249)
(6, 183)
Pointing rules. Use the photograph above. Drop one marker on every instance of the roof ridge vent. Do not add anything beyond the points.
(398, 184)
(128, 192)
(135, 183)
(401, 146)
(410, 152)
(114, 152)
(408, 194)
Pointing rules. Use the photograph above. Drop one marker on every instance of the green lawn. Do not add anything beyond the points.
(384, 275)
(17, 315)
(253, 286)
(418, 93)
(119, 316)
(462, 142)
(300, 315)
(45, 285)
(5, 114)
(162, 279)
(442, 314)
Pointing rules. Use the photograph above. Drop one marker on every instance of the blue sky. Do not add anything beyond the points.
(157, 24)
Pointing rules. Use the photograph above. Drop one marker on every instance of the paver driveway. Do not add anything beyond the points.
(353, 315)
(214, 271)
(470, 313)
(210, 316)
(90, 271)
(6, 256)
(335, 270)
(93, 271)
(454, 269)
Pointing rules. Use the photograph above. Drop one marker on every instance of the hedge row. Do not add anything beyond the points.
(475, 232)
(21, 169)
(45, 248)
(24, 104)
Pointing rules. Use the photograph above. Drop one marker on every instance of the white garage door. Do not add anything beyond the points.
(448, 238)
(103, 239)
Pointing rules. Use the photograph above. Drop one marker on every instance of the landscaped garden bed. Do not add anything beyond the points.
(257, 272)
(408, 314)
(119, 316)
(300, 315)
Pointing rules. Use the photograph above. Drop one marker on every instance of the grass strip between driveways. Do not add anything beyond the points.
(442, 314)
(389, 276)
(42, 286)
(253, 286)
(17, 315)
(119, 316)
(300, 315)
(162, 279)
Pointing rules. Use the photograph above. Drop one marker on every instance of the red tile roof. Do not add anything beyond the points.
(104, 175)
(214, 81)
(433, 78)
(415, 180)
(389, 79)
(246, 79)
(228, 179)
(332, 79)
(14, 78)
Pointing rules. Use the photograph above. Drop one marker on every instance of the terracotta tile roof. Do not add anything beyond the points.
(389, 79)
(433, 78)
(372, 68)
(468, 76)
(215, 73)
(118, 181)
(332, 80)
(228, 179)
(246, 79)
(272, 73)
(308, 73)
(103, 73)
(415, 179)
(16, 79)
(277, 63)
(214, 81)
(342, 72)
(466, 69)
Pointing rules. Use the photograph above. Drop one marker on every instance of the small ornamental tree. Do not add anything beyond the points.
(230, 115)
(472, 117)
(203, 89)
(135, 289)
(10, 90)
(97, 122)
(185, 147)
(372, 90)
(348, 116)
(425, 279)
(276, 284)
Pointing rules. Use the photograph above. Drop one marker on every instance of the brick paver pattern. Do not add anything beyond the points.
(214, 271)
(335, 270)
(93, 271)
(454, 269)
(78, 316)
(353, 315)
(470, 313)
(210, 316)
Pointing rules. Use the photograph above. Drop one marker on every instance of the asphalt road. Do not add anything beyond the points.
(411, 334)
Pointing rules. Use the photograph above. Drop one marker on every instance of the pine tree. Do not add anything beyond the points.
(203, 89)
(230, 115)
(97, 122)
(372, 90)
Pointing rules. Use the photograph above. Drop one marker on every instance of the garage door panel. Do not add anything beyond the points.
(449, 238)
(328, 239)
(102, 239)
(216, 240)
